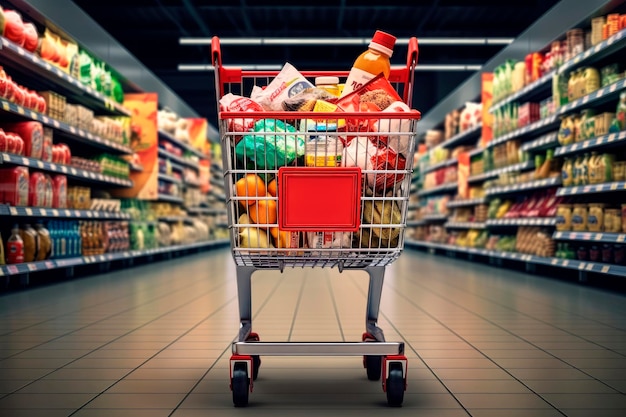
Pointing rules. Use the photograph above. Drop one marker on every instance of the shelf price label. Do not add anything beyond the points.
(55, 213)
(29, 211)
(43, 212)
(605, 269)
(6, 106)
(620, 238)
(32, 267)
(614, 186)
(13, 269)
(13, 211)
(21, 110)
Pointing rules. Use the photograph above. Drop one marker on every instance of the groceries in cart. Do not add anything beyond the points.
(290, 122)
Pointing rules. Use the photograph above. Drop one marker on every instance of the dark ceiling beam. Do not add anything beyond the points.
(191, 9)
(427, 17)
(340, 13)
(246, 18)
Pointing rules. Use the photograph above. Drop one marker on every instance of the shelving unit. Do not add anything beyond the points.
(34, 73)
(536, 138)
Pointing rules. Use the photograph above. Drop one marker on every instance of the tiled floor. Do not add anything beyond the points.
(155, 341)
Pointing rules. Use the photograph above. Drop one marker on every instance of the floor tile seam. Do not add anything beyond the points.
(487, 357)
(116, 314)
(228, 347)
(127, 333)
(74, 312)
(214, 312)
(335, 307)
(381, 313)
(297, 307)
(518, 312)
(56, 301)
(616, 303)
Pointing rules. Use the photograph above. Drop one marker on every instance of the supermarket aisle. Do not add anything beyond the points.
(154, 341)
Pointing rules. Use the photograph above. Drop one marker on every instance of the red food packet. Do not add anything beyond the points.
(232, 102)
(374, 96)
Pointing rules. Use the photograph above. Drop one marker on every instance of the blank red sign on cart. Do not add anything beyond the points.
(319, 199)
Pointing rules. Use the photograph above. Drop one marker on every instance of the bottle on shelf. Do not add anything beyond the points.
(15, 247)
(371, 63)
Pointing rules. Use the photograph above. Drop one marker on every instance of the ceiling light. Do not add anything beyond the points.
(344, 41)
(246, 67)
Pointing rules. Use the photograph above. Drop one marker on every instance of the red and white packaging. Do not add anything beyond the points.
(32, 136)
(37, 190)
(235, 103)
(48, 191)
(4, 145)
(14, 186)
(46, 145)
(362, 153)
(401, 128)
(59, 191)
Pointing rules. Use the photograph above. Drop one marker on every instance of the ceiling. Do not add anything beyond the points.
(151, 29)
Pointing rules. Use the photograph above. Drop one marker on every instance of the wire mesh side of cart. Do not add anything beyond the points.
(388, 139)
(253, 209)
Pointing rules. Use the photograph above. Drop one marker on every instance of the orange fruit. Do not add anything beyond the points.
(281, 238)
(271, 187)
(264, 212)
(250, 186)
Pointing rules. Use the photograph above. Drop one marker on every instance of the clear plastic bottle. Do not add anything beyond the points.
(371, 62)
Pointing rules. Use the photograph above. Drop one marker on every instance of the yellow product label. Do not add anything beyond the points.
(326, 107)
(323, 160)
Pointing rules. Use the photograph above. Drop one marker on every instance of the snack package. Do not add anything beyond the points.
(232, 102)
(362, 153)
(326, 240)
(375, 96)
(287, 83)
(306, 99)
(273, 145)
(400, 128)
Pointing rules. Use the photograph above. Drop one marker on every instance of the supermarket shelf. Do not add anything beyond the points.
(571, 264)
(170, 199)
(466, 202)
(135, 167)
(439, 165)
(596, 188)
(464, 225)
(535, 88)
(531, 185)
(6, 210)
(592, 144)
(610, 92)
(435, 217)
(463, 137)
(439, 189)
(217, 182)
(24, 268)
(180, 144)
(32, 65)
(600, 237)
(523, 221)
(416, 223)
(177, 159)
(592, 54)
(597, 52)
(495, 173)
(169, 178)
(76, 134)
(548, 123)
(476, 152)
(175, 219)
(206, 210)
(544, 142)
(70, 172)
(194, 184)
(414, 206)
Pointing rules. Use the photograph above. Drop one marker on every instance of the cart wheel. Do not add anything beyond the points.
(395, 385)
(256, 359)
(256, 364)
(240, 384)
(373, 365)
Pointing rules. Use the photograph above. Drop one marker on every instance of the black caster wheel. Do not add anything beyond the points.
(373, 365)
(240, 384)
(395, 385)
(256, 364)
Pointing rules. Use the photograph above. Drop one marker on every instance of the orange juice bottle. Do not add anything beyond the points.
(371, 62)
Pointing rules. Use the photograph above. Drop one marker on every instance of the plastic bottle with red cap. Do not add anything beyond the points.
(371, 62)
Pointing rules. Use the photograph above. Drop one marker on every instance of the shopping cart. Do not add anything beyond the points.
(294, 203)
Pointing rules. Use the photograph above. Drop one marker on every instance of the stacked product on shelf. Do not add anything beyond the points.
(554, 174)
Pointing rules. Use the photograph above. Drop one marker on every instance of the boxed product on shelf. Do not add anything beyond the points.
(31, 133)
(79, 198)
(14, 186)
(55, 104)
(11, 143)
